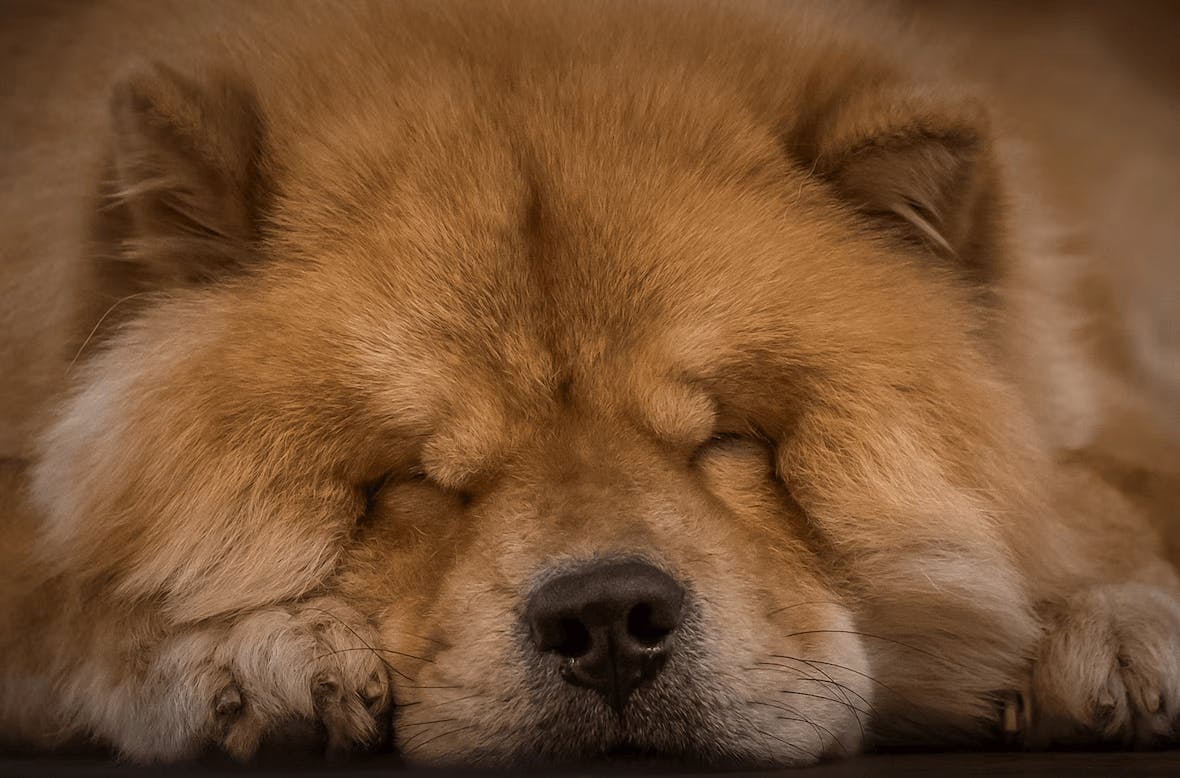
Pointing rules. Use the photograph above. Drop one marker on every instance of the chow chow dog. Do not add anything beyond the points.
(527, 382)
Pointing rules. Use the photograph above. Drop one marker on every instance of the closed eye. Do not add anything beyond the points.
(725, 438)
(730, 439)
(377, 490)
(371, 492)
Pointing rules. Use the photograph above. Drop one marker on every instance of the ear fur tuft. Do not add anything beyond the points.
(920, 165)
(185, 169)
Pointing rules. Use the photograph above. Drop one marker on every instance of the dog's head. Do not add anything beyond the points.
(639, 415)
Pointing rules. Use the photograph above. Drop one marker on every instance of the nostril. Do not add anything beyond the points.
(574, 639)
(643, 626)
(562, 634)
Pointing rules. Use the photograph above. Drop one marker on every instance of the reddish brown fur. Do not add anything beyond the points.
(726, 290)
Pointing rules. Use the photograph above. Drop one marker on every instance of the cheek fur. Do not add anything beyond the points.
(142, 492)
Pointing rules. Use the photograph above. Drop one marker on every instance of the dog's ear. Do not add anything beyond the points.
(185, 174)
(919, 165)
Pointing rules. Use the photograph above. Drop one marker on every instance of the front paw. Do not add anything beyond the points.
(233, 686)
(1108, 670)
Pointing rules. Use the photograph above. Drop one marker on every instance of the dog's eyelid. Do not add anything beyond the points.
(735, 432)
(371, 490)
(721, 438)
(372, 487)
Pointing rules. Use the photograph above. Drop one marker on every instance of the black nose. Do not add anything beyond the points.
(612, 621)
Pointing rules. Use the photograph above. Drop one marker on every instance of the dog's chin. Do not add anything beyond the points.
(626, 751)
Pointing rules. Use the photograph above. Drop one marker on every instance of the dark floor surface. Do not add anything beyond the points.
(1164, 763)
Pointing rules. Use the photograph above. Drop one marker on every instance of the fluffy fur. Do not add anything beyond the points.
(331, 330)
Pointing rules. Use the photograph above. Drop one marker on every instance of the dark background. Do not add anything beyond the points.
(1163, 763)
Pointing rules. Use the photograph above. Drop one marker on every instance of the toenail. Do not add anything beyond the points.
(228, 702)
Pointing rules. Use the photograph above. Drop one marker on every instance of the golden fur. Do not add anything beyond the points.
(337, 327)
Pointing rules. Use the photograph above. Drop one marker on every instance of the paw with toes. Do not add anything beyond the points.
(239, 686)
(1108, 670)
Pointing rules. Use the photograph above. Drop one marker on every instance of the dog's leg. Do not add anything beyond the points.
(234, 685)
(156, 694)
